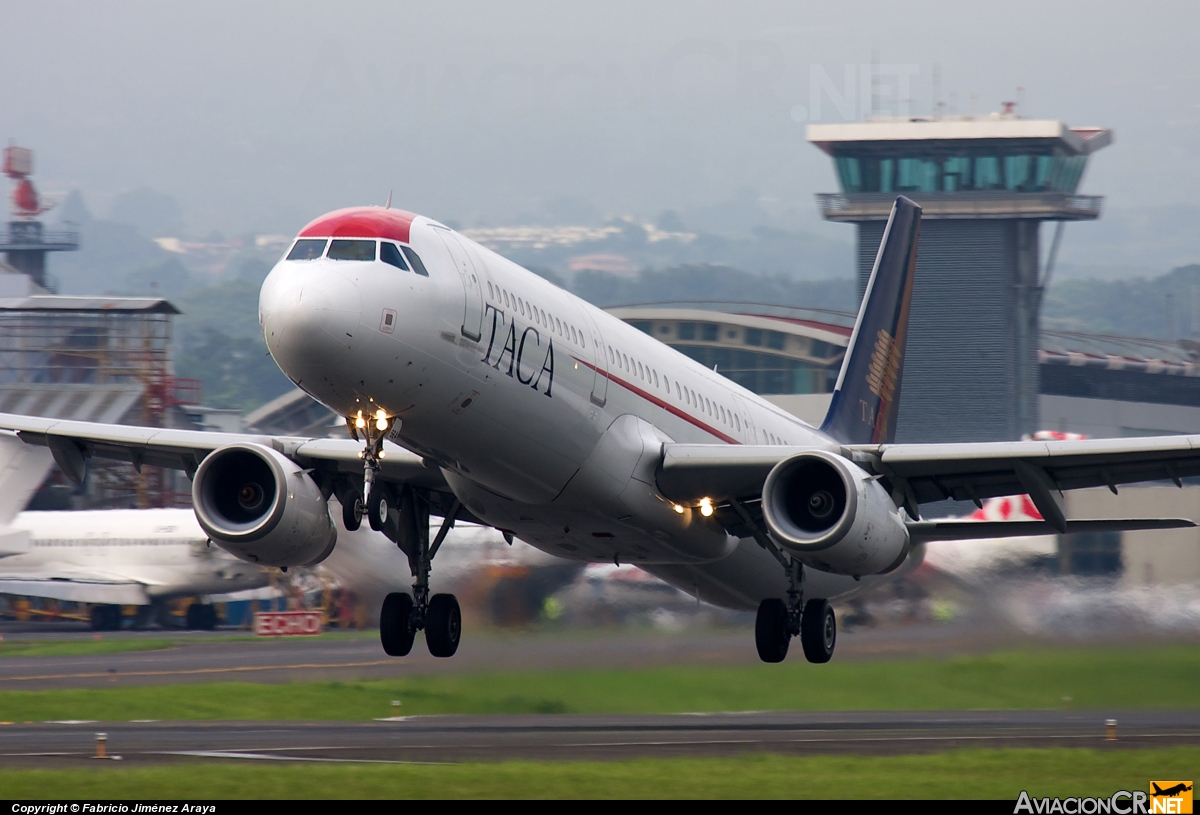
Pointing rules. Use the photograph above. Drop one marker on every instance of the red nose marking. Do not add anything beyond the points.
(361, 222)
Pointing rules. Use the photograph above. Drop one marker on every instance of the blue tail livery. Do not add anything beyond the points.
(867, 396)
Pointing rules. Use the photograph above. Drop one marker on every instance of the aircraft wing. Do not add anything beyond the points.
(73, 442)
(72, 583)
(921, 473)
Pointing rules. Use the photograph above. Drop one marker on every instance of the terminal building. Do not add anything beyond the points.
(985, 185)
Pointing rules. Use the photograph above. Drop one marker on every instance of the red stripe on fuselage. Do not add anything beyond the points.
(654, 400)
(362, 222)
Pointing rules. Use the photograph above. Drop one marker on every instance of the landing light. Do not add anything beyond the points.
(381, 420)
(678, 509)
(706, 507)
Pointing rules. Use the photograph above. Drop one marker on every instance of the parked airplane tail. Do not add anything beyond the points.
(23, 468)
(867, 396)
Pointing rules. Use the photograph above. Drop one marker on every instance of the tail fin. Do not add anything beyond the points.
(23, 468)
(867, 396)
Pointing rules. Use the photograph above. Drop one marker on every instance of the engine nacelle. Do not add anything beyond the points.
(833, 516)
(260, 506)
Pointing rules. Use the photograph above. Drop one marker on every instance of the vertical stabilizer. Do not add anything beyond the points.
(867, 396)
(23, 468)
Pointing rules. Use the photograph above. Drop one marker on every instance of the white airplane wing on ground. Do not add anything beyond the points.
(76, 586)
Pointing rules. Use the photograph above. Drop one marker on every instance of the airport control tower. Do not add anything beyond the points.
(985, 184)
(27, 243)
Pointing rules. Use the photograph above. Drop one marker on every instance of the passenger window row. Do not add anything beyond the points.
(539, 316)
(360, 249)
(684, 394)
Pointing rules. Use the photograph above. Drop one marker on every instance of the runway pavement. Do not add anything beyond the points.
(213, 658)
(572, 737)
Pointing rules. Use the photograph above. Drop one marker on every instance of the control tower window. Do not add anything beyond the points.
(307, 249)
(352, 250)
(415, 260)
(1022, 168)
(390, 253)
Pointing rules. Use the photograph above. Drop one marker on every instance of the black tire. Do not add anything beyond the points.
(395, 625)
(818, 631)
(443, 625)
(193, 618)
(377, 508)
(100, 617)
(114, 617)
(352, 510)
(771, 634)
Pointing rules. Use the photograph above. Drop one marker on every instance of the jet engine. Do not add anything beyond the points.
(833, 516)
(260, 506)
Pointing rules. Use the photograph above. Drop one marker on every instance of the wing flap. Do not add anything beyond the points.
(925, 531)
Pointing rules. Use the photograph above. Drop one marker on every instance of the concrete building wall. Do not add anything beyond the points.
(1109, 418)
(1170, 556)
(971, 366)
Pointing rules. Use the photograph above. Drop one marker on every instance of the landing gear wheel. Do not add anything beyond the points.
(818, 631)
(352, 510)
(377, 509)
(395, 625)
(443, 625)
(201, 617)
(105, 618)
(771, 633)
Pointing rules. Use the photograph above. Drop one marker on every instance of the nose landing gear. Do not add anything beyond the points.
(373, 429)
(403, 615)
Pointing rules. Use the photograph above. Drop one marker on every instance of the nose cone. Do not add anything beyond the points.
(310, 313)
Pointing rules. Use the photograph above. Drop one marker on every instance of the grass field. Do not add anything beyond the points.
(1152, 677)
(120, 645)
(71, 648)
(958, 774)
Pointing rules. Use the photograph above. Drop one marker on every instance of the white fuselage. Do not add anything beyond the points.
(155, 553)
(531, 400)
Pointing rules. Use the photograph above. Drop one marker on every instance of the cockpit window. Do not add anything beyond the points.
(307, 249)
(351, 250)
(415, 260)
(390, 253)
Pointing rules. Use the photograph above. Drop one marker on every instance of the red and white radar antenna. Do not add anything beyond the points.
(18, 165)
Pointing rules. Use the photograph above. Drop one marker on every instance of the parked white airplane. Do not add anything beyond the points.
(106, 558)
(527, 409)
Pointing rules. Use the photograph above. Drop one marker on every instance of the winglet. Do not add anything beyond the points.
(867, 396)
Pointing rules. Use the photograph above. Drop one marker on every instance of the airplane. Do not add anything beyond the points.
(475, 390)
(107, 558)
(1170, 792)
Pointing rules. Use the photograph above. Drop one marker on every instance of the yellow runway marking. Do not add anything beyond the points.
(193, 671)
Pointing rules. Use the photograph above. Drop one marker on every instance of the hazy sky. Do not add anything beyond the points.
(257, 116)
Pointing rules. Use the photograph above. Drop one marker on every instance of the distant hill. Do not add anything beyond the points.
(1165, 307)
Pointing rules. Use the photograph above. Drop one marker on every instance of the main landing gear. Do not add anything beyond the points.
(403, 615)
(778, 621)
